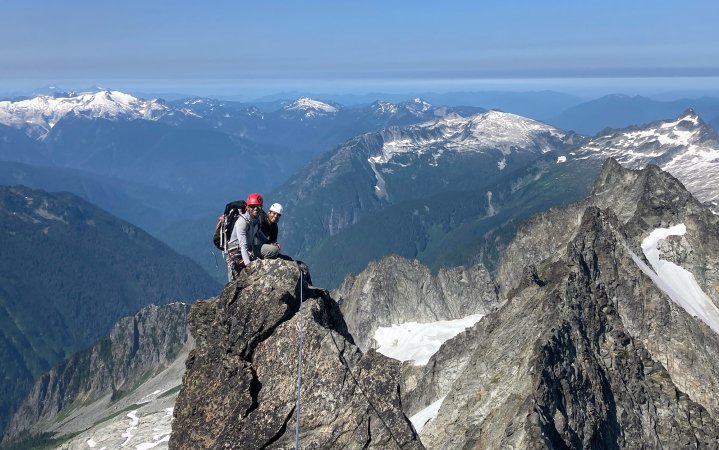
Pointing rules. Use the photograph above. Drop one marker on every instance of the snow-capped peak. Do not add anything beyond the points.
(684, 147)
(306, 103)
(491, 130)
(639, 146)
(416, 107)
(421, 103)
(383, 107)
(39, 114)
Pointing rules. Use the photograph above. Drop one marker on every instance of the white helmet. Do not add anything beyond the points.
(276, 207)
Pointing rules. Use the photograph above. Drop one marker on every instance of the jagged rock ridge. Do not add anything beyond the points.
(239, 388)
(586, 351)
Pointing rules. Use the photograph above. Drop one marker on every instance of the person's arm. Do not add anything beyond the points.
(262, 236)
(274, 231)
(242, 227)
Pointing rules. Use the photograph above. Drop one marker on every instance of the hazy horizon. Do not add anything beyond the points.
(248, 50)
(584, 88)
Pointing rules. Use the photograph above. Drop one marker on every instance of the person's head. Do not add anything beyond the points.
(275, 213)
(254, 204)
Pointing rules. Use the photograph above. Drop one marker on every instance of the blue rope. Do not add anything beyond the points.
(299, 371)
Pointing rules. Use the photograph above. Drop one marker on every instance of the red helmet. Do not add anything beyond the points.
(254, 199)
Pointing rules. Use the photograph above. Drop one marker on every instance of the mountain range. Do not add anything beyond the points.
(192, 151)
(600, 332)
(621, 111)
(684, 146)
(402, 187)
(587, 286)
(447, 194)
(451, 191)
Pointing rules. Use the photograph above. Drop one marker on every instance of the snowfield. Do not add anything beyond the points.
(412, 341)
(675, 281)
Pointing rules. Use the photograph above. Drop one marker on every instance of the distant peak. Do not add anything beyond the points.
(39, 114)
(691, 115)
(306, 103)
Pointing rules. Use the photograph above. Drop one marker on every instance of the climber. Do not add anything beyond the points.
(268, 223)
(247, 242)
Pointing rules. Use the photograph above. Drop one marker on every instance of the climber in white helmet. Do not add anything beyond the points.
(268, 225)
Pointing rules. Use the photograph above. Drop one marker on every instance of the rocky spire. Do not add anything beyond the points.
(240, 385)
(587, 350)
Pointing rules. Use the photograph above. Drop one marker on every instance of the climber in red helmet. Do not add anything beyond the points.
(247, 238)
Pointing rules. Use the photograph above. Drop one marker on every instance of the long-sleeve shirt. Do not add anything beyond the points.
(269, 229)
(245, 234)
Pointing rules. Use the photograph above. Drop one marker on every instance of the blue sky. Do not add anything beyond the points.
(348, 45)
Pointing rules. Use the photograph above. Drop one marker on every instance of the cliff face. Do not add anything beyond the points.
(240, 385)
(137, 347)
(642, 200)
(395, 290)
(588, 350)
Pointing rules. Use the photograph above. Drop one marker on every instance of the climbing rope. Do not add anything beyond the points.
(299, 369)
(349, 370)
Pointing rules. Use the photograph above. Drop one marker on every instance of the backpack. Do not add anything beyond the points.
(226, 222)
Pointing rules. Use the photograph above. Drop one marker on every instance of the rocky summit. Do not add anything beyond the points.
(595, 344)
(239, 389)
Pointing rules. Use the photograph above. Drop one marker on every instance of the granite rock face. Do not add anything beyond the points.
(239, 390)
(137, 347)
(586, 351)
(395, 290)
(642, 200)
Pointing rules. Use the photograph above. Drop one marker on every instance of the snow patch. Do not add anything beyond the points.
(420, 419)
(149, 397)
(490, 208)
(561, 159)
(130, 431)
(675, 281)
(45, 214)
(149, 445)
(380, 187)
(413, 341)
